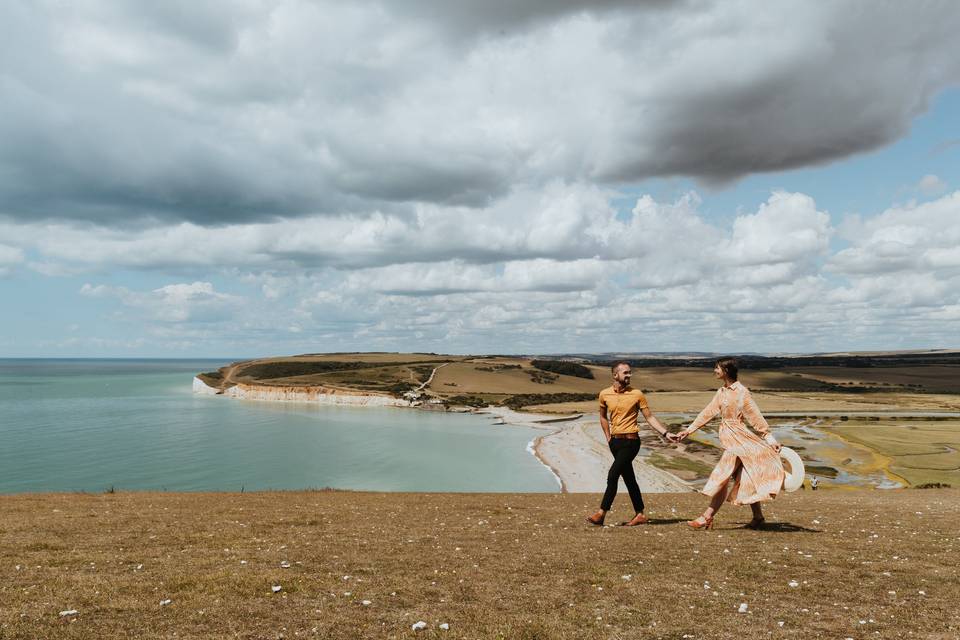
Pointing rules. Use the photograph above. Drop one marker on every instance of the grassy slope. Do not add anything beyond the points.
(514, 566)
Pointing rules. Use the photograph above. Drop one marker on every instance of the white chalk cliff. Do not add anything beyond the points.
(316, 395)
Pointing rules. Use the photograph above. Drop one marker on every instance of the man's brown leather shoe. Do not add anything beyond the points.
(596, 518)
(637, 519)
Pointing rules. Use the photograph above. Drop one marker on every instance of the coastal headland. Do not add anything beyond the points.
(881, 419)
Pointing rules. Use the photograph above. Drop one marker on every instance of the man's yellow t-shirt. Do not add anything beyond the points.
(622, 409)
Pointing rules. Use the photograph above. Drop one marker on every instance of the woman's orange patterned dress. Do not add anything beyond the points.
(748, 458)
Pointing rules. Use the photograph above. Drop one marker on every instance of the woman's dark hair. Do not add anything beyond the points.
(729, 367)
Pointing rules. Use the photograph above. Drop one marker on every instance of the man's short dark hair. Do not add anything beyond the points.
(616, 365)
(729, 367)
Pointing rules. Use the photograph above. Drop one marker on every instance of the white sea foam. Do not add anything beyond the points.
(532, 450)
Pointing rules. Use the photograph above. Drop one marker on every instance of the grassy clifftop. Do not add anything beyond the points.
(832, 564)
(901, 380)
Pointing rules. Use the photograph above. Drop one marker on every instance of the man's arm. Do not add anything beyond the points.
(653, 421)
(604, 423)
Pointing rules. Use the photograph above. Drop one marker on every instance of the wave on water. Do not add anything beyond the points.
(532, 450)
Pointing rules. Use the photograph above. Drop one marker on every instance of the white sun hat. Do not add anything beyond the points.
(793, 469)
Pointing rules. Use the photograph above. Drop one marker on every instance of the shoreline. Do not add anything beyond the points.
(575, 453)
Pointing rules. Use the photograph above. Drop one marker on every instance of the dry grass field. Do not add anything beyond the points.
(868, 564)
(502, 376)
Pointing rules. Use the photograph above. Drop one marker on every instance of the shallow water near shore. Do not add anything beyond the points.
(89, 425)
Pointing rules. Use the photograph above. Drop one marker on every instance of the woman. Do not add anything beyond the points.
(752, 461)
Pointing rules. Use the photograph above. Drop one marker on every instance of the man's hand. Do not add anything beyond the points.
(672, 437)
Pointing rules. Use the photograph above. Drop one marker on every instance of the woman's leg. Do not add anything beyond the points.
(720, 496)
(716, 502)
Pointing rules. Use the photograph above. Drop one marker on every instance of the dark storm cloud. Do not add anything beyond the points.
(862, 79)
(510, 16)
(215, 113)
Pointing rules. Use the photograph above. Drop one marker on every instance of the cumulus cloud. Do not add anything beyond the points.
(659, 276)
(788, 229)
(9, 256)
(196, 302)
(909, 238)
(562, 238)
(455, 277)
(222, 113)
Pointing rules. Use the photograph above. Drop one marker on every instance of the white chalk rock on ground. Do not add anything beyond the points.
(68, 612)
(420, 625)
(277, 588)
(743, 608)
(445, 626)
(165, 602)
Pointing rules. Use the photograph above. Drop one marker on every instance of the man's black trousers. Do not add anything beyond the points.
(624, 450)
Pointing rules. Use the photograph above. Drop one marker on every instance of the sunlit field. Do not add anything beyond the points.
(346, 565)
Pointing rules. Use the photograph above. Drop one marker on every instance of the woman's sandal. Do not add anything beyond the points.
(701, 523)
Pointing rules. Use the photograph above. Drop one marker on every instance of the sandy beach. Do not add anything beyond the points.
(577, 454)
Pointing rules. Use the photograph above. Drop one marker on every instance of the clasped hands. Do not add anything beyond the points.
(680, 436)
(683, 434)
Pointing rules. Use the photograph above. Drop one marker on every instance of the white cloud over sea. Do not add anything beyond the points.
(664, 273)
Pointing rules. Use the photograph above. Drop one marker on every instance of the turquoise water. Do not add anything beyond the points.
(88, 425)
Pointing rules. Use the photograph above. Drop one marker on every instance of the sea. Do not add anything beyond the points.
(100, 425)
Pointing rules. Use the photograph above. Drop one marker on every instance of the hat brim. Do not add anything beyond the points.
(793, 469)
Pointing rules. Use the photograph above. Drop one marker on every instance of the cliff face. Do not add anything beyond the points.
(316, 395)
(201, 387)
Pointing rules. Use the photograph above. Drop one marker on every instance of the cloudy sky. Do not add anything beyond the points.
(244, 178)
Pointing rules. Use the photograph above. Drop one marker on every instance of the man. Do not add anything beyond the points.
(620, 406)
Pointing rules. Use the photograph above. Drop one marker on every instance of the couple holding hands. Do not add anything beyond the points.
(750, 463)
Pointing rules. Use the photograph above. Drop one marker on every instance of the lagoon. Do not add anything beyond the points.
(93, 425)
